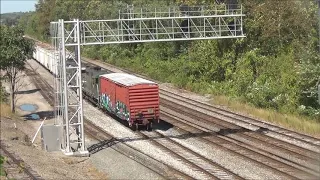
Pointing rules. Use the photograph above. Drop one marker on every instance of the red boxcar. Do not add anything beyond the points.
(131, 98)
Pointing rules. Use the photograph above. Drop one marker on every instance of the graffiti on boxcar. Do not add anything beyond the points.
(106, 102)
(122, 111)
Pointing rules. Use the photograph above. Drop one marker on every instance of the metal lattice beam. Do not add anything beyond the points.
(132, 26)
(194, 23)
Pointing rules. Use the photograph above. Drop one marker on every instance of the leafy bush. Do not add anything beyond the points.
(3, 94)
(2, 172)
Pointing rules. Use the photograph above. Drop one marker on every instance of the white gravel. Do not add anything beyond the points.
(118, 130)
(119, 166)
(212, 127)
(237, 164)
(296, 159)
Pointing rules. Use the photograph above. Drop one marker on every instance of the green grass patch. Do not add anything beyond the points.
(2, 171)
(294, 122)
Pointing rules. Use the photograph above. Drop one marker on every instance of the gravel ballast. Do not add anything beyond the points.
(236, 164)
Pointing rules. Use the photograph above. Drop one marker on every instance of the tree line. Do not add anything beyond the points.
(277, 65)
(12, 19)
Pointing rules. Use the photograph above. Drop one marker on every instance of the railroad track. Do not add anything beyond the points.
(269, 152)
(259, 135)
(217, 172)
(198, 162)
(286, 133)
(107, 140)
(45, 89)
(292, 136)
(232, 145)
(270, 158)
(18, 168)
(287, 155)
(243, 120)
(207, 168)
(309, 152)
(273, 152)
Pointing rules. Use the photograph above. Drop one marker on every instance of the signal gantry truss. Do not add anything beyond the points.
(132, 26)
(172, 24)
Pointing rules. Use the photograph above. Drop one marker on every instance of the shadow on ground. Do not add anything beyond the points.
(102, 145)
(39, 115)
(28, 91)
(223, 132)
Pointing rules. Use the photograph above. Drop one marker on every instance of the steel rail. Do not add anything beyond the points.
(32, 174)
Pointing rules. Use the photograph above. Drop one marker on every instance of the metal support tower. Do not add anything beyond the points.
(69, 110)
(132, 26)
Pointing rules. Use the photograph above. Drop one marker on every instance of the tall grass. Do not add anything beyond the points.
(293, 122)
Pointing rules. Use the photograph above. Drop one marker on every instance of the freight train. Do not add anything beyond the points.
(130, 98)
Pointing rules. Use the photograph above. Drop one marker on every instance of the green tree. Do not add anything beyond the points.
(14, 51)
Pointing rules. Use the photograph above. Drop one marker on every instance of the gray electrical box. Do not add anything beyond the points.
(51, 137)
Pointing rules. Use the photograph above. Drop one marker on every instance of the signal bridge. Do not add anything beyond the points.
(132, 26)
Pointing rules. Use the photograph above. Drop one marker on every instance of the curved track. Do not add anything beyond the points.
(282, 153)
